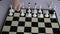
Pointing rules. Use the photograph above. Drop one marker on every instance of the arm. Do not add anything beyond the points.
(17, 4)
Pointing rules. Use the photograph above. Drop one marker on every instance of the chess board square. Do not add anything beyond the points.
(53, 20)
(27, 33)
(12, 32)
(20, 29)
(48, 25)
(40, 19)
(9, 18)
(49, 30)
(24, 10)
(34, 33)
(47, 20)
(21, 23)
(21, 18)
(54, 25)
(41, 24)
(27, 24)
(13, 29)
(16, 14)
(34, 24)
(56, 30)
(8, 23)
(41, 30)
(20, 33)
(6, 28)
(45, 11)
(34, 19)
(28, 19)
(15, 18)
(34, 29)
(5, 32)
(27, 29)
(14, 23)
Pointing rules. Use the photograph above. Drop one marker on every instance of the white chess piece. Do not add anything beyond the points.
(29, 10)
(22, 13)
(34, 15)
(11, 10)
(35, 10)
(54, 16)
(54, 7)
(10, 14)
(47, 15)
(51, 5)
(40, 11)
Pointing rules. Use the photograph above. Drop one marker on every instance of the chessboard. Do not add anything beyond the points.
(17, 24)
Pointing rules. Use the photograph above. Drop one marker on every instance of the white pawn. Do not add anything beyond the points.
(22, 14)
(10, 14)
(54, 16)
(47, 15)
(11, 10)
(34, 15)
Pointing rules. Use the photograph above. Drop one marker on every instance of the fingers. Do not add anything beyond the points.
(15, 6)
(19, 7)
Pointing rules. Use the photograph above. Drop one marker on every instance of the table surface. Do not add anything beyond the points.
(4, 4)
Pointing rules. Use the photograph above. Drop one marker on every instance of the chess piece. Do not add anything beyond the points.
(10, 13)
(22, 13)
(35, 11)
(54, 7)
(29, 10)
(54, 16)
(11, 10)
(40, 11)
(29, 14)
(51, 5)
(34, 15)
(47, 15)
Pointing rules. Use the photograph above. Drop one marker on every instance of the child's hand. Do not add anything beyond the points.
(17, 5)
